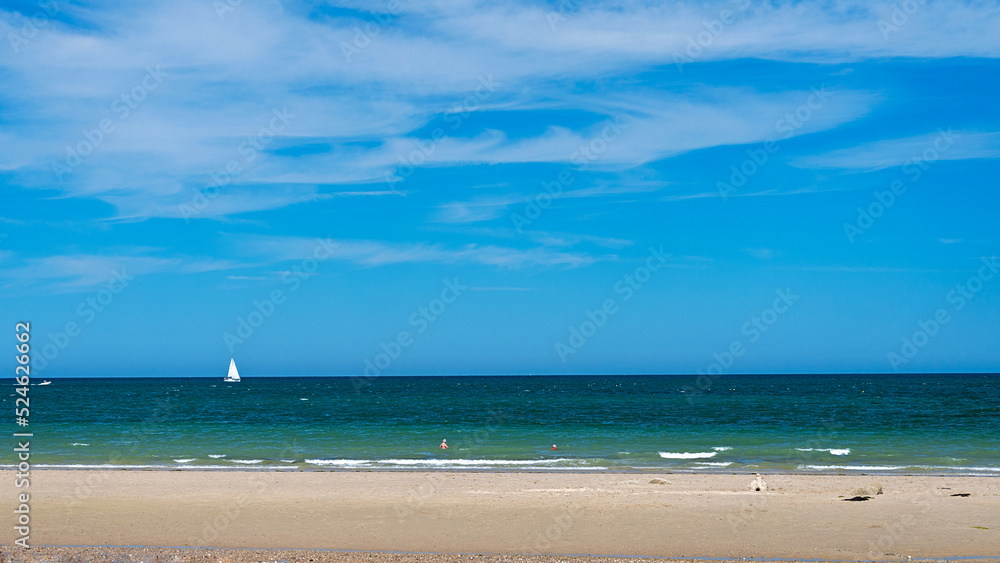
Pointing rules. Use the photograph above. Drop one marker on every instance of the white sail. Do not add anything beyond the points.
(233, 374)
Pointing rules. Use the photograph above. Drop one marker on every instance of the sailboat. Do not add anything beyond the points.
(233, 376)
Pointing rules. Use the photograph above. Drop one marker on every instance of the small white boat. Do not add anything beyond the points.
(46, 383)
(233, 376)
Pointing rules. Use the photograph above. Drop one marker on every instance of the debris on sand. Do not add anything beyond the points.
(869, 490)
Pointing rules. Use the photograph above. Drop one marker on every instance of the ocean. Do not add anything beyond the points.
(919, 424)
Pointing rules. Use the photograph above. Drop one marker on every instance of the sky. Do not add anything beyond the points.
(462, 187)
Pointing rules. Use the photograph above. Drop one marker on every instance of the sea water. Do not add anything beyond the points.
(741, 423)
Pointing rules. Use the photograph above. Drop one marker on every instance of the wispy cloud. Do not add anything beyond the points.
(477, 209)
(546, 238)
(72, 273)
(229, 200)
(486, 208)
(370, 253)
(862, 269)
(220, 88)
(763, 253)
(942, 145)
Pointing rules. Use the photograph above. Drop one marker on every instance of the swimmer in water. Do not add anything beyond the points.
(444, 445)
(553, 446)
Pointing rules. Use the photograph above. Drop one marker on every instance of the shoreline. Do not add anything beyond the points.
(675, 516)
(540, 470)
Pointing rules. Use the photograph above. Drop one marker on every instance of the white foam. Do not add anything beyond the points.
(481, 463)
(722, 448)
(216, 456)
(79, 444)
(854, 467)
(346, 462)
(834, 451)
(476, 462)
(187, 460)
(246, 461)
(958, 468)
(143, 466)
(686, 455)
(114, 466)
(714, 463)
(287, 460)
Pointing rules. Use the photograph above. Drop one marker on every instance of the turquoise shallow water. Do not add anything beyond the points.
(791, 423)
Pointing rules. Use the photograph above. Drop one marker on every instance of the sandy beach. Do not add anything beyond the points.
(678, 515)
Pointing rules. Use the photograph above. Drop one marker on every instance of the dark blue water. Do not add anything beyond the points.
(828, 423)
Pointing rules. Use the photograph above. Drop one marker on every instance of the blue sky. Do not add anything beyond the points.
(501, 187)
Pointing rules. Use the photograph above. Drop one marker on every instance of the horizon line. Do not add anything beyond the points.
(243, 377)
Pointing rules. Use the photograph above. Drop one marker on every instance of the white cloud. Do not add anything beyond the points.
(941, 145)
(546, 238)
(377, 253)
(483, 208)
(223, 78)
(65, 273)
(202, 202)
(486, 208)
(762, 253)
